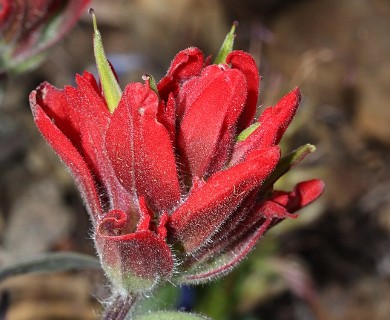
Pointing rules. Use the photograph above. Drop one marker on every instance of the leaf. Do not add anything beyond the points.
(51, 262)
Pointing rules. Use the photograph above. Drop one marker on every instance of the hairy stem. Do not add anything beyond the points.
(120, 308)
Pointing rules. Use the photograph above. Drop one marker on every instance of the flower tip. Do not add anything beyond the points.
(310, 190)
(293, 99)
(297, 92)
(321, 185)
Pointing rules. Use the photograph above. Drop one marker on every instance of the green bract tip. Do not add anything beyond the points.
(111, 89)
(246, 132)
(288, 161)
(151, 81)
(227, 45)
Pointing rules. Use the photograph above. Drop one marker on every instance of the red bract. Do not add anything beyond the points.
(172, 192)
(27, 28)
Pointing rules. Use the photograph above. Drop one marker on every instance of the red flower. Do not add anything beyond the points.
(28, 28)
(176, 184)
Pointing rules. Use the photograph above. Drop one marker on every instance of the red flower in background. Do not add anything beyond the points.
(28, 28)
(177, 179)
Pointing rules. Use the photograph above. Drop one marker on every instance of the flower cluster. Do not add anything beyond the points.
(177, 177)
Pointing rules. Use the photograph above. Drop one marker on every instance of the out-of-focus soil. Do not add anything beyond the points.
(337, 52)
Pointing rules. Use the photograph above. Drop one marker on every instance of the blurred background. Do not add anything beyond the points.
(331, 263)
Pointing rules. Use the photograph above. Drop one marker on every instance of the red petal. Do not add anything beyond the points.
(82, 116)
(140, 149)
(303, 194)
(273, 123)
(90, 79)
(88, 108)
(134, 261)
(208, 207)
(66, 150)
(167, 115)
(161, 228)
(55, 104)
(207, 104)
(186, 64)
(145, 215)
(246, 64)
(223, 151)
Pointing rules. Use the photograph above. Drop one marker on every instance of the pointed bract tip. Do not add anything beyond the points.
(92, 13)
(312, 148)
(149, 79)
(145, 77)
(111, 89)
(297, 91)
(233, 28)
(227, 46)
